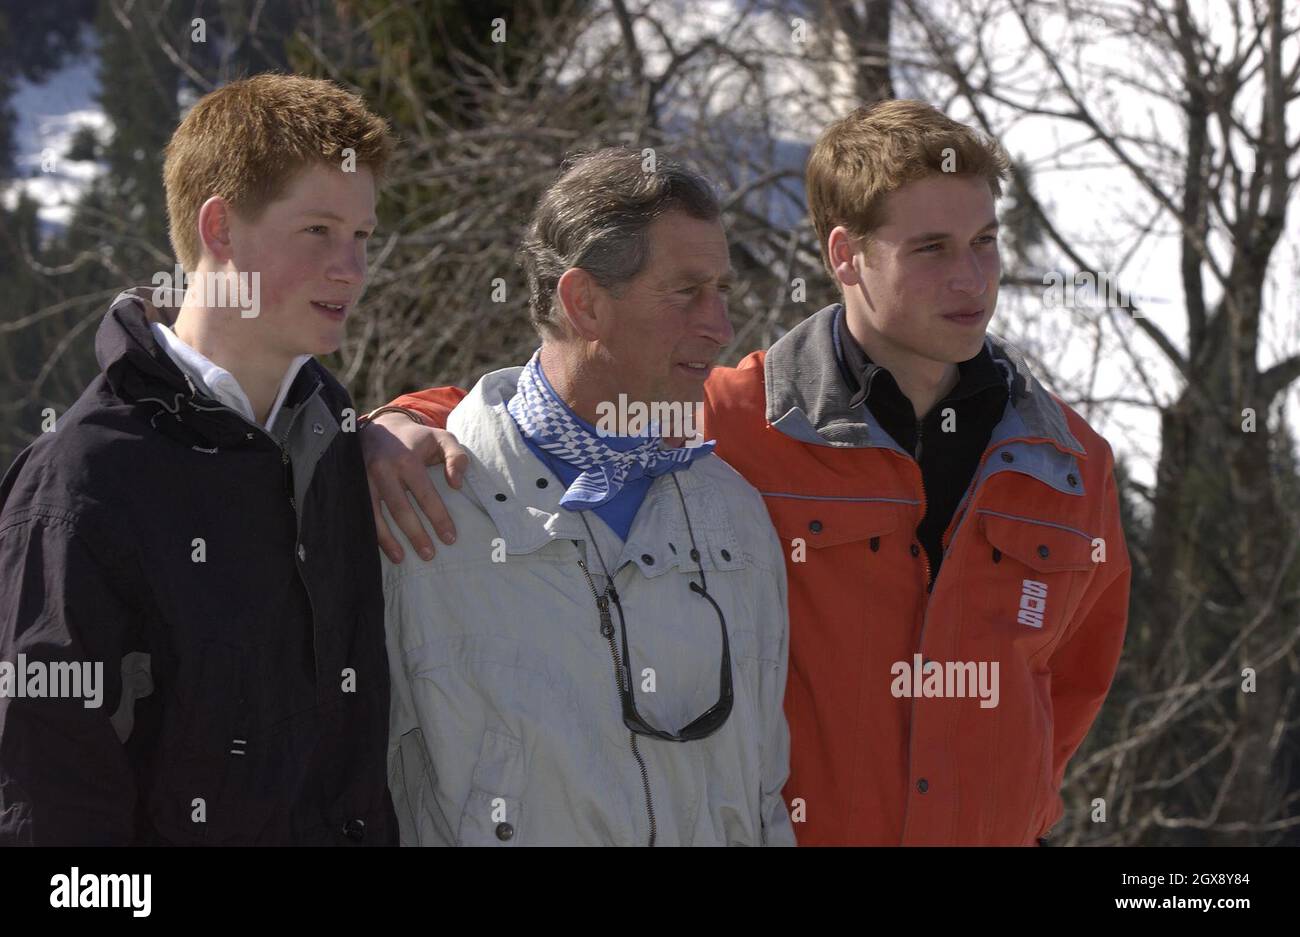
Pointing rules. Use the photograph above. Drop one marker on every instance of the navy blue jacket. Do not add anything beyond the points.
(227, 580)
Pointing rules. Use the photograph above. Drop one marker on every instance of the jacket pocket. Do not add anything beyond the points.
(1037, 569)
(1044, 795)
(493, 814)
(195, 738)
(413, 782)
(823, 523)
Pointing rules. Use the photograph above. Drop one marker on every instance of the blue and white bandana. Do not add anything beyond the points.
(607, 463)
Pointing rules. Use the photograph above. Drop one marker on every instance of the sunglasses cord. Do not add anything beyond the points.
(703, 587)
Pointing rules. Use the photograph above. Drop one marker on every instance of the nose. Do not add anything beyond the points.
(715, 322)
(971, 276)
(348, 263)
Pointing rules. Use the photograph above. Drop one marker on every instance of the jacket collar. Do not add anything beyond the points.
(876, 386)
(214, 381)
(505, 478)
(140, 371)
(809, 399)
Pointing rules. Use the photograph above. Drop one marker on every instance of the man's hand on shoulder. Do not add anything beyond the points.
(397, 452)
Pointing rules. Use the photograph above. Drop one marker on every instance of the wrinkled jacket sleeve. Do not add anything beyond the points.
(1084, 665)
(777, 829)
(64, 774)
(411, 774)
(434, 404)
(402, 726)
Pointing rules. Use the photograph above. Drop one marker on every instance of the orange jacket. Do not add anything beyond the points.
(1035, 579)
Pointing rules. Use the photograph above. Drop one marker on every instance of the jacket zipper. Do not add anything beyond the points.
(287, 477)
(925, 501)
(297, 526)
(287, 472)
(282, 442)
(203, 835)
(925, 615)
(964, 504)
(920, 640)
(607, 630)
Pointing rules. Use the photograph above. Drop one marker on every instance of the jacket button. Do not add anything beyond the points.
(355, 830)
(302, 553)
(1008, 457)
(647, 559)
(542, 483)
(916, 551)
(318, 429)
(815, 527)
(1043, 551)
(505, 832)
(874, 542)
(923, 785)
(726, 556)
(1074, 482)
(997, 555)
(695, 554)
(500, 497)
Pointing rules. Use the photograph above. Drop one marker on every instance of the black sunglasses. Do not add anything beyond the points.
(707, 722)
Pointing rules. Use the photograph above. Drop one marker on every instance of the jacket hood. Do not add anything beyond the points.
(128, 354)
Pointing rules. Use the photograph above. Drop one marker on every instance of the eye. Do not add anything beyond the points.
(726, 288)
(317, 229)
(929, 248)
(987, 239)
(364, 235)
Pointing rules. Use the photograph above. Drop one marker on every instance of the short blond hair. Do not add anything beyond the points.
(861, 158)
(247, 140)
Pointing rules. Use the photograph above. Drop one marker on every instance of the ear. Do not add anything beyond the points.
(579, 294)
(214, 228)
(843, 249)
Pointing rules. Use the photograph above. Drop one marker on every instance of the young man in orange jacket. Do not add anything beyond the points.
(957, 569)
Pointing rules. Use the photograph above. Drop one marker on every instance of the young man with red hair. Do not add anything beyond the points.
(195, 527)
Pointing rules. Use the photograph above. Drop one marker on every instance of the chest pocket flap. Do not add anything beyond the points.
(825, 522)
(1041, 545)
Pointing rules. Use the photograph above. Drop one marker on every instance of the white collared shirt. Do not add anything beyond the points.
(216, 381)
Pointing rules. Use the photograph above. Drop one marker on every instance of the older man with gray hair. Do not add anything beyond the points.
(600, 657)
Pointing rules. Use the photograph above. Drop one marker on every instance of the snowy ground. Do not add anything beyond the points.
(49, 115)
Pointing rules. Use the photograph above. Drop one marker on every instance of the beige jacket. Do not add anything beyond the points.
(506, 720)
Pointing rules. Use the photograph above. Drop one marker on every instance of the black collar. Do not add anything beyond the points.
(867, 380)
